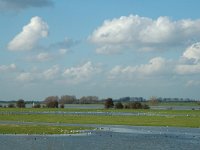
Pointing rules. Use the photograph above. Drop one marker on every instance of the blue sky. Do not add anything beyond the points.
(102, 48)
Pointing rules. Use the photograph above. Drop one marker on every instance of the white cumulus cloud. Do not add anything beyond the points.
(7, 68)
(30, 35)
(143, 33)
(81, 73)
(51, 73)
(190, 63)
(193, 52)
(186, 69)
(156, 66)
(25, 77)
(43, 57)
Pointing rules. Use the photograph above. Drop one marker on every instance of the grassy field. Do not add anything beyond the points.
(150, 111)
(171, 118)
(178, 118)
(176, 121)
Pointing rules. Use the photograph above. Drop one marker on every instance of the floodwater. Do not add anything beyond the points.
(101, 106)
(176, 107)
(109, 138)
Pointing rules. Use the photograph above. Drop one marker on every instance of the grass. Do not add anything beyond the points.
(150, 111)
(175, 121)
(39, 129)
(172, 118)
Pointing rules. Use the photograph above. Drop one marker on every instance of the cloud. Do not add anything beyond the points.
(7, 68)
(156, 66)
(185, 69)
(51, 73)
(23, 4)
(190, 61)
(192, 83)
(63, 51)
(43, 57)
(65, 44)
(47, 56)
(193, 52)
(30, 35)
(25, 77)
(72, 75)
(143, 33)
(38, 75)
(81, 73)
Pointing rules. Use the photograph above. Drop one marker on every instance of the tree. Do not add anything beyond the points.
(51, 101)
(153, 100)
(21, 103)
(67, 99)
(88, 100)
(119, 105)
(108, 103)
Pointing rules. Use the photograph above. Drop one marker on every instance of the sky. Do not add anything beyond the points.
(107, 48)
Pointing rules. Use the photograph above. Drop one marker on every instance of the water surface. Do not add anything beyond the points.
(109, 138)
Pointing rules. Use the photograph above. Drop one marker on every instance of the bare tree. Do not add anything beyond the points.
(67, 99)
(51, 101)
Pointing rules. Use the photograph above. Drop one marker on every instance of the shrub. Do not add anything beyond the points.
(108, 103)
(145, 106)
(119, 105)
(62, 106)
(136, 105)
(21, 103)
(11, 106)
(37, 106)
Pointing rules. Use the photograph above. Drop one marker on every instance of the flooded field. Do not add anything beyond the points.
(109, 138)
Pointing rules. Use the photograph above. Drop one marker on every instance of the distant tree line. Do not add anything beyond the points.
(55, 101)
(109, 103)
(159, 99)
(123, 102)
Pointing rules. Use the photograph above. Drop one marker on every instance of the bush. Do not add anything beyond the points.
(62, 106)
(37, 106)
(145, 106)
(21, 103)
(119, 105)
(136, 105)
(108, 103)
(11, 106)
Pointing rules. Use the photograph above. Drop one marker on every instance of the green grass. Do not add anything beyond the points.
(149, 111)
(39, 129)
(187, 118)
(175, 121)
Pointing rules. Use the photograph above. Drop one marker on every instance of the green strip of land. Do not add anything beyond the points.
(171, 118)
(175, 121)
(151, 111)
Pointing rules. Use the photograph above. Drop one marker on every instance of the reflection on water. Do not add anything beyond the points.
(110, 138)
